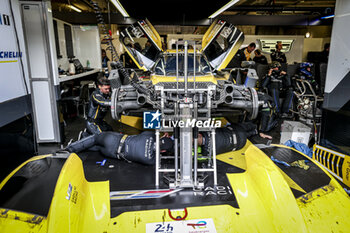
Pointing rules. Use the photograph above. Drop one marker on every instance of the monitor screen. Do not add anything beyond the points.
(78, 65)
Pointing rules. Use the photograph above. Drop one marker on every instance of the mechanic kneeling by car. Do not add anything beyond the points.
(99, 105)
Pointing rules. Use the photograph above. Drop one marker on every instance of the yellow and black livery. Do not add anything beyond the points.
(52, 193)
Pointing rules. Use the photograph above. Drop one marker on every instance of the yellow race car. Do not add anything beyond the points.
(193, 69)
(53, 193)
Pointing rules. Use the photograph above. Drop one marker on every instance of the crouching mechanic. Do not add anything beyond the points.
(98, 106)
(141, 148)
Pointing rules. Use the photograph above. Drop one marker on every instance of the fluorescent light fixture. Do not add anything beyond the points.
(327, 17)
(74, 8)
(120, 8)
(222, 9)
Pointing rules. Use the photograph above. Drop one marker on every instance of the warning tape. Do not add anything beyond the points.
(336, 163)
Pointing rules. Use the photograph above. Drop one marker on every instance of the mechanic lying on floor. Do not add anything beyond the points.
(141, 148)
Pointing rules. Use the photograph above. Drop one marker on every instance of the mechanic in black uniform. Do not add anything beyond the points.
(136, 148)
(275, 81)
(305, 73)
(259, 57)
(141, 148)
(230, 138)
(242, 55)
(277, 55)
(98, 106)
(268, 118)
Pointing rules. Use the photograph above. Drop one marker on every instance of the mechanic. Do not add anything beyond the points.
(259, 58)
(229, 138)
(278, 55)
(325, 53)
(105, 61)
(275, 81)
(268, 119)
(141, 148)
(305, 73)
(104, 58)
(98, 106)
(242, 55)
(136, 148)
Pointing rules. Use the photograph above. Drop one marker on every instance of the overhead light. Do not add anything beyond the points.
(222, 9)
(327, 17)
(307, 35)
(74, 8)
(120, 8)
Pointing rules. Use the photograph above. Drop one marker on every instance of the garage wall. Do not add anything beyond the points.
(87, 45)
(338, 73)
(314, 45)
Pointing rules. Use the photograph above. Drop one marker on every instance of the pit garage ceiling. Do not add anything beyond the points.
(194, 12)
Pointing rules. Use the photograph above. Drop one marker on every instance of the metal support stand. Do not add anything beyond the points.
(157, 158)
(214, 157)
(195, 157)
(186, 148)
(186, 138)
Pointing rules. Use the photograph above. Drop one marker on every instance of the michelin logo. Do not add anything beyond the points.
(10, 54)
(151, 120)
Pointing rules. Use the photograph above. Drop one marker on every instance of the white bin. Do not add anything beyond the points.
(296, 131)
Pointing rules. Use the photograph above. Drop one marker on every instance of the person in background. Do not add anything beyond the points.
(150, 50)
(105, 59)
(259, 58)
(98, 106)
(277, 81)
(325, 53)
(305, 73)
(125, 57)
(278, 55)
(242, 55)
(267, 112)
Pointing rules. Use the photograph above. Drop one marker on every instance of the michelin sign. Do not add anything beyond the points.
(5, 21)
(12, 51)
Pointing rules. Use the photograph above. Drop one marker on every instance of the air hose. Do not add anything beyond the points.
(110, 47)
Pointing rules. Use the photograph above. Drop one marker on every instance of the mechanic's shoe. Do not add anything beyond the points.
(80, 135)
(70, 142)
(83, 134)
(286, 116)
(62, 152)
